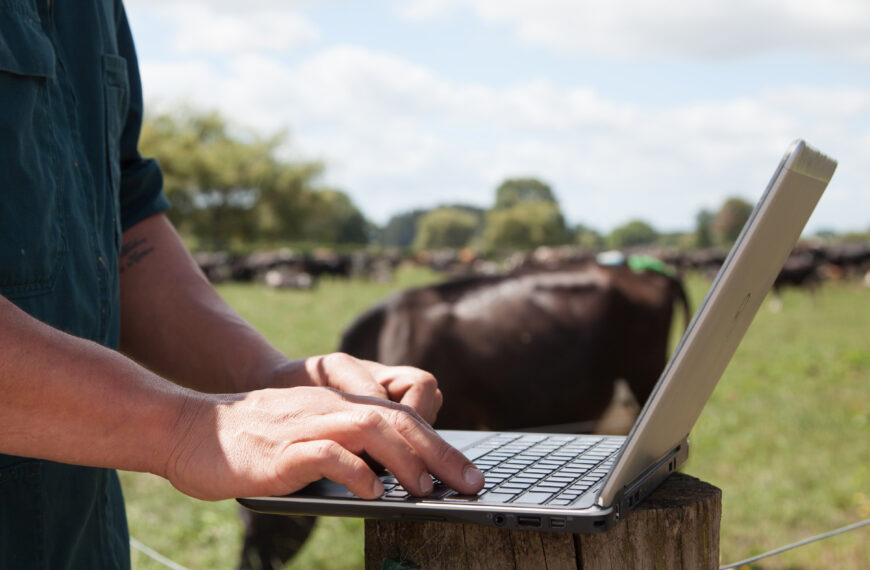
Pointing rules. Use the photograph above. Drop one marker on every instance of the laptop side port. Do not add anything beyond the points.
(557, 522)
(529, 521)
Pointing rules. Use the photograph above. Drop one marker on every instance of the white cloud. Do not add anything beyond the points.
(624, 29)
(187, 80)
(212, 27)
(397, 136)
(699, 29)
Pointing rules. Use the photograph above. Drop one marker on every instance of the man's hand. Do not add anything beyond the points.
(315, 416)
(403, 384)
(276, 441)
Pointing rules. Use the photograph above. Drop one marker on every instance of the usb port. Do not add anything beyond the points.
(529, 521)
(557, 523)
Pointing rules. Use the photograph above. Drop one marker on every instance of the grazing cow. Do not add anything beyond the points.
(848, 259)
(801, 269)
(706, 261)
(538, 347)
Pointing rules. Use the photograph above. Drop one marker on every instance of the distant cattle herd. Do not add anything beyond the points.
(808, 266)
(284, 268)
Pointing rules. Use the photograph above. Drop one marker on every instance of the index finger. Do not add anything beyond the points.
(410, 386)
(347, 374)
(441, 459)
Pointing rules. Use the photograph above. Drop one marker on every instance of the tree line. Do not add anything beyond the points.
(232, 189)
(526, 215)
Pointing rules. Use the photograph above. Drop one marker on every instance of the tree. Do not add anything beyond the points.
(587, 237)
(401, 229)
(446, 227)
(334, 219)
(525, 215)
(704, 229)
(632, 234)
(525, 225)
(515, 191)
(730, 219)
(209, 177)
(229, 185)
(288, 201)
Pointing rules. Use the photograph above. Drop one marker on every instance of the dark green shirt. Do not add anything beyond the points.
(71, 180)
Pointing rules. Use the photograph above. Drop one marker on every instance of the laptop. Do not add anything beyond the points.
(585, 483)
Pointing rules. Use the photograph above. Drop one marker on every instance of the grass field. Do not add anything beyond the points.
(786, 435)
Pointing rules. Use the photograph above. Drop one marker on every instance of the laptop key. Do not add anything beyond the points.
(527, 478)
(494, 498)
(533, 498)
(503, 491)
(559, 479)
(516, 487)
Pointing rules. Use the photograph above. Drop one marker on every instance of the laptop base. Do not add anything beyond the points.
(583, 516)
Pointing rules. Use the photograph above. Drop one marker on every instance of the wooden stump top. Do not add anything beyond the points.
(677, 526)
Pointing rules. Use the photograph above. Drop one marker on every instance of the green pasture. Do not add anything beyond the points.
(786, 435)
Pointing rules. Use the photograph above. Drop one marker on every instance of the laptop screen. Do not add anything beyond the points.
(724, 316)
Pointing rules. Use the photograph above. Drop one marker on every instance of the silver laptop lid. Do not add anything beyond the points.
(722, 319)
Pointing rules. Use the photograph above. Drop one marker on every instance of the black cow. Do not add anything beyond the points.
(538, 347)
(801, 269)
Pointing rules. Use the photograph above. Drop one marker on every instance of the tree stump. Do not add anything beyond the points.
(676, 527)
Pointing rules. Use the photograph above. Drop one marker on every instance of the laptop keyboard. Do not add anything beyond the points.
(531, 469)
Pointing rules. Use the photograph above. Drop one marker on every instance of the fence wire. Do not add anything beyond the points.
(803, 542)
(154, 555)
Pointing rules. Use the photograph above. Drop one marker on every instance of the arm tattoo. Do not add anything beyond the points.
(132, 253)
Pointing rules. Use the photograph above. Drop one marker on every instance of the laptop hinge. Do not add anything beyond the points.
(631, 495)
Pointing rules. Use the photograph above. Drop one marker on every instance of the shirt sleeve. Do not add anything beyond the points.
(141, 193)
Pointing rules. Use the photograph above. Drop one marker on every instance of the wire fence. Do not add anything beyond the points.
(804, 542)
(154, 555)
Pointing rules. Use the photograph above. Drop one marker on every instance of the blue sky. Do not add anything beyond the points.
(628, 109)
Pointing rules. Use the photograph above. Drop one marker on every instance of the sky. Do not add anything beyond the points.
(628, 109)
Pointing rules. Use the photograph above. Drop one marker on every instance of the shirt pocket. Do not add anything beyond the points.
(116, 94)
(31, 206)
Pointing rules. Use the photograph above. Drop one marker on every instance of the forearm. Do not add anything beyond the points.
(71, 400)
(174, 322)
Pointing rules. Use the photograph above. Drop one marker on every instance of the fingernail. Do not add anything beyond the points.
(378, 488)
(426, 484)
(473, 476)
